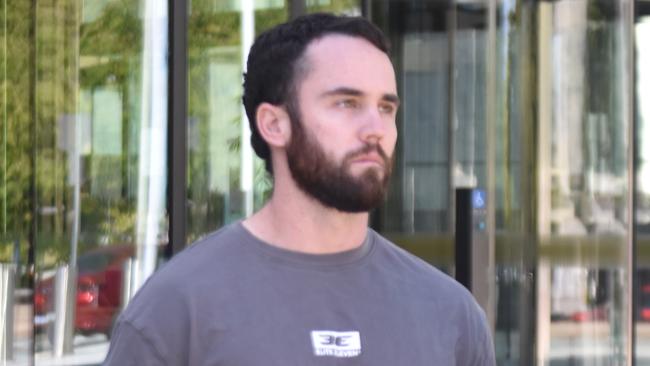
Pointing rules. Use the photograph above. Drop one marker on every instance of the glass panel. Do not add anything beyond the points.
(514, 255)
(16, 108)
(416, 215)
(226, 181)
(469, 47)
(441, 121)
(100, 156)
(562, 185)
(642, 36)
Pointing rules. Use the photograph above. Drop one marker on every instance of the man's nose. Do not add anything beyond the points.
(374, 126)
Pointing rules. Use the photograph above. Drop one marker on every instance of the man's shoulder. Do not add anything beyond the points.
(411, 269)
(176, 296)
(442, 293)
(227, 241)
(404, 261)
(214, 252)
(198, 267)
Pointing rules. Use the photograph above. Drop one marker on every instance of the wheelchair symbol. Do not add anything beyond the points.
(478, 198)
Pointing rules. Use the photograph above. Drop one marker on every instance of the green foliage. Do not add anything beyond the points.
(334, 6)
(118, 31)
(77, 51)
(43, 79)
(211, 29)
(267, 18)
(15, 128)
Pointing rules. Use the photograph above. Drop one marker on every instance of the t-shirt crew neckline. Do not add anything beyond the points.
(344, 258)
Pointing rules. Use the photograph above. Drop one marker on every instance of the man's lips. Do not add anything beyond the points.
(368, 158)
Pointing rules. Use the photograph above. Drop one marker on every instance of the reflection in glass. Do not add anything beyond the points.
(562, 182)
(416, 215)
(439, 51)
(224, 182)
(99, 151)
(16, 175)
(642, 36)
(348, 7)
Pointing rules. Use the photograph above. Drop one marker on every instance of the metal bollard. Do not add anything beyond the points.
(127, 282)
(7, 287)
(64, 302)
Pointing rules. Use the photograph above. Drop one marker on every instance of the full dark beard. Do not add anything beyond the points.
(331, 184)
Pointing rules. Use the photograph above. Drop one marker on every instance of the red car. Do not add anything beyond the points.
(597, 313)
(99, 291)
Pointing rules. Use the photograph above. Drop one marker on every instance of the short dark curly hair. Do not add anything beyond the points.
(274, 69)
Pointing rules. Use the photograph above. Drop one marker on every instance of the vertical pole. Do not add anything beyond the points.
(127, 282)
(544, 113)
(67, 314)
(366, 9)
(630, 279)
(7, 281)
(3, 318)
(451, 110)
(490, 128)
(154, 125)
(5, 120)
(296, 8)
(33, 223)
(526, 46)
(60, 344)
(247, 167)
(177, 136)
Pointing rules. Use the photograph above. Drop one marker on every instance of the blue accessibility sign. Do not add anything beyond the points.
(478, 198)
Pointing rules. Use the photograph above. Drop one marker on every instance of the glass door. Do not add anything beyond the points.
(562, 181)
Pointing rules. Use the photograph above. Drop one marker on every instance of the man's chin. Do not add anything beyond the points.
(357, 196)
(371, 172)
(356, 206)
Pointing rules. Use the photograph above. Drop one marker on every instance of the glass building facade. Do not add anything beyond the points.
(123, 140)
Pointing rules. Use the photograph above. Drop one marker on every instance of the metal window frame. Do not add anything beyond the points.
(633, 164)
(33, 224)
(177, 127)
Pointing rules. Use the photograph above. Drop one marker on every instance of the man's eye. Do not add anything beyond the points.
(386, 108)
(347, 103)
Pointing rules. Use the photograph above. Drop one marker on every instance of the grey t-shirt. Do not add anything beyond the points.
(232, 299)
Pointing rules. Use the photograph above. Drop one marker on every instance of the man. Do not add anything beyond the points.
(304, 281)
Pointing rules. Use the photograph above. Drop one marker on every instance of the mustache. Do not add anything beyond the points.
(367, 149)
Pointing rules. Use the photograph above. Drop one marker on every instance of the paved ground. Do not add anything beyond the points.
(87, 351)
(577, 344)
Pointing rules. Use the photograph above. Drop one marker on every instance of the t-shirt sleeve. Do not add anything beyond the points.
(476, 347)
(129, 347)
(484, 355)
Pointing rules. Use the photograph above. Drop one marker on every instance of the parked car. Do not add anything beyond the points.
(99, 291)
(596, 313)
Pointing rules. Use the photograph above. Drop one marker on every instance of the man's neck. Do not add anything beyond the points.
(294, 221)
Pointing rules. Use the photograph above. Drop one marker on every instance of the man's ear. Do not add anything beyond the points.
(273, 124)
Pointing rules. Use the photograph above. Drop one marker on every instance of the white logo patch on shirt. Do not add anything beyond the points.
(336, 344)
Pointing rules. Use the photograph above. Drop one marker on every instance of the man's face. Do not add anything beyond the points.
(343, 127)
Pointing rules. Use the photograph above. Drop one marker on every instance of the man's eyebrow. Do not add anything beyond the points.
(342, 91)
(392, 98)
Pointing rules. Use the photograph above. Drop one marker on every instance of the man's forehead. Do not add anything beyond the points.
(337, 41)
(339, 57)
